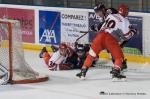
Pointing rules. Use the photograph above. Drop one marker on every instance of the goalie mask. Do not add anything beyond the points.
(4, 75)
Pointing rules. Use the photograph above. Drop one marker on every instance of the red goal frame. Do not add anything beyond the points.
(40, 79)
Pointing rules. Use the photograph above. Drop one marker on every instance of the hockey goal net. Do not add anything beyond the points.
(12, 54)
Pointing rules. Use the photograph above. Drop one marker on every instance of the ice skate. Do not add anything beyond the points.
(82, 74)
(116, 76)
(124, 65)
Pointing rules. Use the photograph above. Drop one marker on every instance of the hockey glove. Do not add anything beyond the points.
(54, 48)
(133, 30)
(42, 51)
(93, 28)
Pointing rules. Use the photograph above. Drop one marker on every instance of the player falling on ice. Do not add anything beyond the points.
(115, 30)
(64, 58)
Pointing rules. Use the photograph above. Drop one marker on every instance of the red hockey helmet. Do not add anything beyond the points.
(62, 46)
(63, 49)
(123, 10)
(99, 7)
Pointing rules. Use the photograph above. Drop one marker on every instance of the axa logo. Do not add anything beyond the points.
(48, 36)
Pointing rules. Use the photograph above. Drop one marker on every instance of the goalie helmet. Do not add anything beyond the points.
(123, 10)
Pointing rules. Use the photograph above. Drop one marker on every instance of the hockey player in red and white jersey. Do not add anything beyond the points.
(102, 12)
(57, 61)
(114, 31)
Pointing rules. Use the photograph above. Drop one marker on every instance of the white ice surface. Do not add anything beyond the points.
(64, 84)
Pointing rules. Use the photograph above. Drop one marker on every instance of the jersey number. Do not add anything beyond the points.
(110, 23)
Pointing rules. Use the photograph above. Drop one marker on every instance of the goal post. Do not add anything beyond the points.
(12, 54)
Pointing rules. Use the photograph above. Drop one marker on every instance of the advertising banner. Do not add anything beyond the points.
(93, 21)
(49, 27)
(26, 18)
(72, 22)
(134, 46)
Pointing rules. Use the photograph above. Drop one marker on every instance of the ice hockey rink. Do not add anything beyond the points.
(65, 85)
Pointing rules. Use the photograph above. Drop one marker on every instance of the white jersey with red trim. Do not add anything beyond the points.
(57, 58)
(118, 27)
(57, 61)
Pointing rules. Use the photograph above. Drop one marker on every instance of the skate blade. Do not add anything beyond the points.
(119, 79)
(124, 70)
(81, 78)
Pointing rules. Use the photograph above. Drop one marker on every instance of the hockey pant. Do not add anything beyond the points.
(103, 41)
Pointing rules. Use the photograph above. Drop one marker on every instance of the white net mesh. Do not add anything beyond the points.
(21, 70)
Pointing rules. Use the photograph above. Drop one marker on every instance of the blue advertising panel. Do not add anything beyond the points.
(135, 44)
(93, 20)
(49, 27)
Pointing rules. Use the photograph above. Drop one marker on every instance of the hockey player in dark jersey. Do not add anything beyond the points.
(82, 54)
(101, 11)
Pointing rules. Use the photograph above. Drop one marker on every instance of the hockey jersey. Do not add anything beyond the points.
(118, 27)
(97, 27)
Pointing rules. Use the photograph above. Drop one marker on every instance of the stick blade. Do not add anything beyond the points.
(84, 31)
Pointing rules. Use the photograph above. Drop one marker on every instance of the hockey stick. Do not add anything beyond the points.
(76, 42)
(54, 22)
(84, 33)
